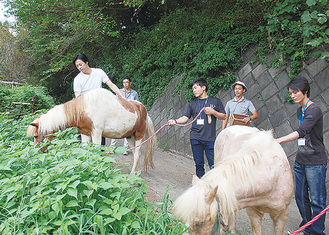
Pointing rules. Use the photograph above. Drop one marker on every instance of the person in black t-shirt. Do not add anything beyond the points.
(203, 131)
(311, 160)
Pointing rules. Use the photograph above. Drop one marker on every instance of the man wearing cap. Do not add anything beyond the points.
(239, 105)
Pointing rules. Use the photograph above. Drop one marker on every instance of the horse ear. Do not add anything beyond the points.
(35, 122)
(195, 180)
(212, 194)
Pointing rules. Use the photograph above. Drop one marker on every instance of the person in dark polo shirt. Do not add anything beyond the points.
(203, 131)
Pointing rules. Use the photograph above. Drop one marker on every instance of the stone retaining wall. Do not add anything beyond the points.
(266, 89)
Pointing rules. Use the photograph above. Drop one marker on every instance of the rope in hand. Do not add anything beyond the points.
(310, 222)
(163, 127)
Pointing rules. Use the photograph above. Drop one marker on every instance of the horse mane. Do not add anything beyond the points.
(233, 171)
(62, 116)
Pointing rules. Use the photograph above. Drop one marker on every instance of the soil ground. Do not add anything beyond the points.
(175, 172)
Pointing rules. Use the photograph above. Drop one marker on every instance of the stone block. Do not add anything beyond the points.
(283, 129)
(326, 123)
(264, 125)
(260, 69)
(252, 91)
(325, 96)
(326, 141)
(316, 67)
(244, 71)
(263, 114)
(274, 103)
(264, 79)
(320, 102)
(274, 72)
(290, 148)
(257, 103)
(269, 91)
(254, 64)
(282, 80)
(248, 80)
(278, 117)
(322, 79)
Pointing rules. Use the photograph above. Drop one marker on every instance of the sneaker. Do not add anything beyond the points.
(125, 153)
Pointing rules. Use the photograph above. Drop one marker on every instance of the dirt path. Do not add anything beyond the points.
(175, 171)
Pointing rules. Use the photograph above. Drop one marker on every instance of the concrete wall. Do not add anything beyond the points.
(266, 89)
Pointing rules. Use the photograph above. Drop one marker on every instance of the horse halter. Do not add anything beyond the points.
(218, 221)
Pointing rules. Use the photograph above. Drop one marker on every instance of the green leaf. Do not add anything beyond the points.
(105, 185)
(135, 224)
(107, 211)
(120, 150)
(5, 168)
(72, 192)
(72, 203)
(91, 202)
(306, 17)
(311, 2)
(88, 192)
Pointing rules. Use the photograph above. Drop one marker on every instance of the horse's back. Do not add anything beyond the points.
(231, 139)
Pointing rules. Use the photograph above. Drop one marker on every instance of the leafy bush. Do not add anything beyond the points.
(294, 29)
(28, 99)
(71, 189)
(190, 43)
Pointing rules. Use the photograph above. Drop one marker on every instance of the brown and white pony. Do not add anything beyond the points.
(253, 173)
(100, 113)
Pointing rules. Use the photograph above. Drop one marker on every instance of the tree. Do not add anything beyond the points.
(14, 61)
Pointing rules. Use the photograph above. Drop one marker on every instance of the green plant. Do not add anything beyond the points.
(71, 189)
(288, 98)
(22, 100)
(295, 28)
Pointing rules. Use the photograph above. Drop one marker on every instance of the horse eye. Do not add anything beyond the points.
(199, 223)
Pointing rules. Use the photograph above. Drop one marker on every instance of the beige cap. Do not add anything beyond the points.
(239, 83)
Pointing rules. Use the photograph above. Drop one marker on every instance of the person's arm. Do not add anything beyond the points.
(211, 111)
(252, 117)
(292, 136)
(114, 88)
(181, 120)
(224, 123)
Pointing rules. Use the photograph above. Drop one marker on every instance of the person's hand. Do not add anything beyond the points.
(246, 120)
(208, 110)
(172, 122)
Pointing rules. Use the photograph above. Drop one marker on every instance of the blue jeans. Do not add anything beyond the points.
(310, 195)
(198, 149)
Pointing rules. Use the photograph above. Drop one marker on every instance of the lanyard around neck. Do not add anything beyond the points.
(203, 105)
(128, 94)
(302, 114)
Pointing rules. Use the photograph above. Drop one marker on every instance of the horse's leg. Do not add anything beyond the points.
(85, 139)
(255, 217)
(136, 153)
(96, 136)
(279, 220)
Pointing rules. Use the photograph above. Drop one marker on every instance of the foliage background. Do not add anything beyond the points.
(154, 41)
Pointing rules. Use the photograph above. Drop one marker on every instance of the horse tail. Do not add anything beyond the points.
(30, 131)
(149, 145)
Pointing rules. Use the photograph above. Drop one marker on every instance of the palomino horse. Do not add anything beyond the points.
(100, 113)
(253, 173)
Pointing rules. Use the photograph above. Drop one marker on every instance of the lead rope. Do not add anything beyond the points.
(218, 222)
(163, 127)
